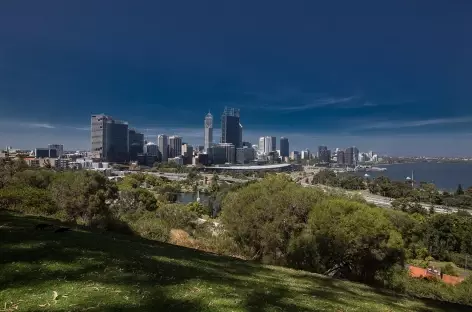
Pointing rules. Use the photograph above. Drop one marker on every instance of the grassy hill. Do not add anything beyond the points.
(82, 270)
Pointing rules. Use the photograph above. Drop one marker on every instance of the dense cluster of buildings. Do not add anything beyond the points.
(114, 141)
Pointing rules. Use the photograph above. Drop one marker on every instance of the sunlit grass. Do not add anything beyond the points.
(89, 271)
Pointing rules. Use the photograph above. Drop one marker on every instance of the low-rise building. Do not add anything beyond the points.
(178, 160)
(245, 155)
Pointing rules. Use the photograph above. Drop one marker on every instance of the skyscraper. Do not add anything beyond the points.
(351, 156)
(262, 145)
(136, 144)
(175, 146)
(284, 147)
(109, 138)
(270, 144)
(163, 145)
(208, 131)
(231, 128)
(340, 156)
(324, 155)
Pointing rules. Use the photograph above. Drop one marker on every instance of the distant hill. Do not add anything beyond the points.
(82, 270)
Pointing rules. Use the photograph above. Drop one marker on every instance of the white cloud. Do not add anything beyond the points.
(414, 123)
(37, 125)
(314, 104)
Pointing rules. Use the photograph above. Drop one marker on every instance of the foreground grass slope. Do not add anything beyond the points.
(90, 271)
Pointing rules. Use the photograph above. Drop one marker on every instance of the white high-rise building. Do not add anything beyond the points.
(163, 145)
(208, 131)
(270, 144)
(262, 145)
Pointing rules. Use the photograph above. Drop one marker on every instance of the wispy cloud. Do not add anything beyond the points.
(415, 123)
(37, 125)
(320, 102)
(80, 128)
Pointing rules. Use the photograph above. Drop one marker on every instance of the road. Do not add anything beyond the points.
(181, 176)
(381, 201)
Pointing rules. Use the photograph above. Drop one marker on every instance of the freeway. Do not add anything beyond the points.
(180, 176)
(381, 201)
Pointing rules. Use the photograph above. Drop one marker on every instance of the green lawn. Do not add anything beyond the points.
(90, 271)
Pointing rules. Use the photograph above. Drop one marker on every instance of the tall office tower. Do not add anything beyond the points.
(324, 155)
(262, 145)
(321, 148)
(270, 144)
(351, 156)
(208, 131)
(231, 128)
(240, 143)
(340, 156)
(109, 138)
(284, 147)
(175, 146)
(59, 149)
(163, 145)
(136, 144)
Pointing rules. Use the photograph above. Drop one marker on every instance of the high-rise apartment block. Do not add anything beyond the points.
(175, 146)
(208, 131)
(284, 147)
(109, 138)
(163, 146)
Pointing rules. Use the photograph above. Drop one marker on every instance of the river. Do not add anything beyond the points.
(186, 198)
(446, 176)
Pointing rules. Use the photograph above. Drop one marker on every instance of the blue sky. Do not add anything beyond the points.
(392, 77)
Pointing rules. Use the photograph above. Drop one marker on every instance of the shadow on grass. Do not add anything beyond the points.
(168, 277)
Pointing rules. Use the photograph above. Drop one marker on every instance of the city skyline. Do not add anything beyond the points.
(393, 78)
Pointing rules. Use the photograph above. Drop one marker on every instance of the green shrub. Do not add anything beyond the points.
(27, 199)
(176, 216)
(151, 228)
(449, 269)
(148, 225)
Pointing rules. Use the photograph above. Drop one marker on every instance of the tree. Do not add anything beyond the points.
(131, 200)
(83, 195)
(348, 239)
(263, 216)
(198, 208)
(459, 190)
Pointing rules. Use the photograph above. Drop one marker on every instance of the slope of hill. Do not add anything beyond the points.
(81, 270)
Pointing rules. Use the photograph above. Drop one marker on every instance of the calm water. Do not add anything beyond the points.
(191, 197)
(445, 176)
